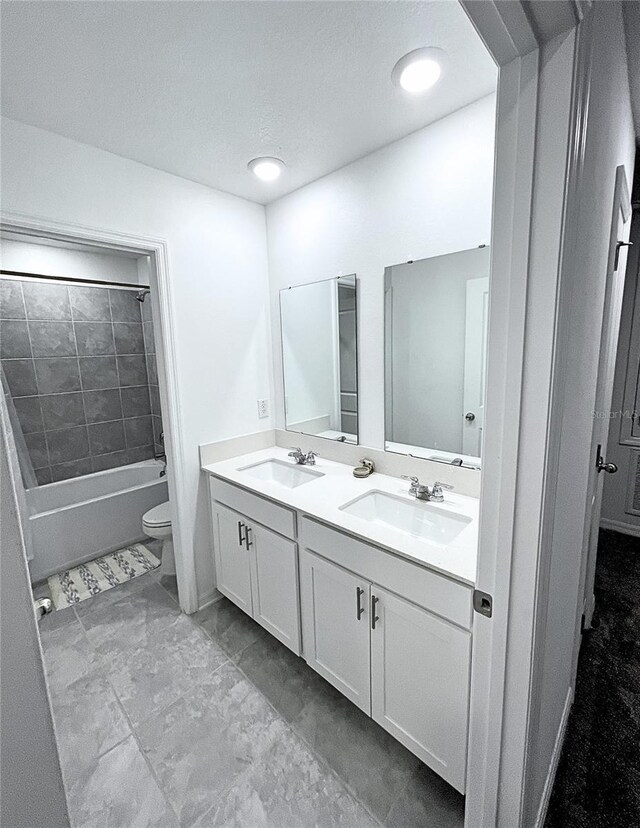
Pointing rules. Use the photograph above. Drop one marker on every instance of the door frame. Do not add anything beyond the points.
(514, 34)
(161, 284)
(611, 321)
(474, 361)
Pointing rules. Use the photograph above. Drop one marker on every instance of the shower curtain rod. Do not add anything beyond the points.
(73, 279)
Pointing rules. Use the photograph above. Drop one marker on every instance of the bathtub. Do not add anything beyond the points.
(79, 519)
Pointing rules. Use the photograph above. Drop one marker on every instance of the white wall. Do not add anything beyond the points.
(217, 266)
(52, 260)
(423, 196)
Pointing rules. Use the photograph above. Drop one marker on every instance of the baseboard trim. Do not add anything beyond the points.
(619, 526)
(210, 598)
(555, 759)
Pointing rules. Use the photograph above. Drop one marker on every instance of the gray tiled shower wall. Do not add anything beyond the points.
(75, 361)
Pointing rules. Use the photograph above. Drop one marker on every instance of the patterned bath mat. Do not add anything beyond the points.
(89, 579)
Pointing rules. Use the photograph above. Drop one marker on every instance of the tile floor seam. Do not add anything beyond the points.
(106, 662)
(103, 669)
(109, 606)
(145, 758)
(323, 762)
(224, 791)
(401, 793)
(132, 735)
(166, 707)
(230, 658)
(319, 758)
(173, 597)
(164, 710)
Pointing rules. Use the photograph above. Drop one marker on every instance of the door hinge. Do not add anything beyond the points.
(482, 603)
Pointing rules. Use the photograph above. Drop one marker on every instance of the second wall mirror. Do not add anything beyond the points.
(320, 358)
(436, 314)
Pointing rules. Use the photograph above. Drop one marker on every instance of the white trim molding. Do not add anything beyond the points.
(555, 760)
(156, 249)
(515, 140)
(619, 526)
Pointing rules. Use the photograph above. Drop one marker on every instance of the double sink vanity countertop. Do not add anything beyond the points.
(370, 508)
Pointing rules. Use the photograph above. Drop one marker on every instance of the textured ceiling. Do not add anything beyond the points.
(200, 88)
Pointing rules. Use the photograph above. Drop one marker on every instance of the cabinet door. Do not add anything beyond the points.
(276, 605)
(420, 669)
(233, 569)
(335, 627)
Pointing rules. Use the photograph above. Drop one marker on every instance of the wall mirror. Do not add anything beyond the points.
(435, 353)
(320, 358)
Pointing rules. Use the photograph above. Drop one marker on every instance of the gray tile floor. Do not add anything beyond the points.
(170, 720)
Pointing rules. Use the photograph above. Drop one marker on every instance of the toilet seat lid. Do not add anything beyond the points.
(159, 515)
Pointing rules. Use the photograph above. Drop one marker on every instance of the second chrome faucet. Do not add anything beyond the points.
(422, 492)
(302, 459)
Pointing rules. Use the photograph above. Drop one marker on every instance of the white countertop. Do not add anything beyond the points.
(322, 498)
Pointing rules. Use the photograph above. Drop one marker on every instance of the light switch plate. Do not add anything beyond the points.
(263, 409)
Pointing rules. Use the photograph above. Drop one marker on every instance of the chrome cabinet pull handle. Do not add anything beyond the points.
(240, 535)
(359, 607)
(374, 617)
(247, 539)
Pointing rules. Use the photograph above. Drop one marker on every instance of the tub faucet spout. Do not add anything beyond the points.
(162, 457)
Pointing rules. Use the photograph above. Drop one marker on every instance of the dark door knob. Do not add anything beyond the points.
(602, 465)
(470, 416)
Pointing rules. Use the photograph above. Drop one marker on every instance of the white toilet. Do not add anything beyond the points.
(156, 523)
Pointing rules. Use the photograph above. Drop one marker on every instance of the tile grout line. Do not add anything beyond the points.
(105, 667)
(323, 762)
(72, 321)
(134, 728)
(113, 336)
(46, 442)
(84, 407)
(145, 758)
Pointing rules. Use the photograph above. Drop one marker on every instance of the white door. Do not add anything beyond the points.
(233, 568)
(335, 627)
(475, 358)
(614, 290)
(420, 673)
(274, 562)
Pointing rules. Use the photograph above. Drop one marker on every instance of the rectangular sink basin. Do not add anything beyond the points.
(417, 518)
(285, 474)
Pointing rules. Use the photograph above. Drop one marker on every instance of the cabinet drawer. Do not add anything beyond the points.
(436, 593)
(279, 518)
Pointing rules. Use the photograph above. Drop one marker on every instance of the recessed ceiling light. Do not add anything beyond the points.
(266, 168)
(419, 70)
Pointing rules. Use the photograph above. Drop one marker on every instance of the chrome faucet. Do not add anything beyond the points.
(422, 492)
(302, 459)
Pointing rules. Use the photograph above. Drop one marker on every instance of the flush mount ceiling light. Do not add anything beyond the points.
(266, 168)
(419, 70)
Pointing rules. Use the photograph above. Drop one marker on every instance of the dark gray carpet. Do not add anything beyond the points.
(598, 779)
